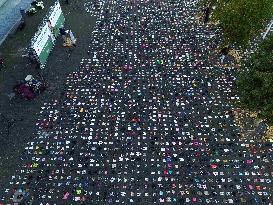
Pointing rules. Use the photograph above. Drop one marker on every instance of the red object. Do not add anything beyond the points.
(197, 154)
(258, 187)
(25, 92)
(213, 166)
(135, 119)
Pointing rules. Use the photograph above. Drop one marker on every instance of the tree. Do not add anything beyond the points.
(255, 80)
(241, 20)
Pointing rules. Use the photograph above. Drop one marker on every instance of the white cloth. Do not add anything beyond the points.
(72, 37)
(29, 78)
(222, 58)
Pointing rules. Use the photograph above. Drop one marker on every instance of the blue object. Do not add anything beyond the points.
(10, 14)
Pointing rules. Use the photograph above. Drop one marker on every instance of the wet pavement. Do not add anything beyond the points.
(146, 119)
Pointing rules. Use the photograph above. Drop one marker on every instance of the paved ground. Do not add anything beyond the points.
(22, 114)
(145, 119)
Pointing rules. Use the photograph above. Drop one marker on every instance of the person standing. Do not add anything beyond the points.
(224, 51)
(206, 13)
(68, 42)
(50, 25)
(72, 37)
(52, 35)
(63, 33)
(1, 60)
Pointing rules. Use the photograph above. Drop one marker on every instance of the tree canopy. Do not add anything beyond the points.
(241, 20)
(255, 80)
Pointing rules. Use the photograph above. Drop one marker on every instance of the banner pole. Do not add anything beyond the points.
(268, 29)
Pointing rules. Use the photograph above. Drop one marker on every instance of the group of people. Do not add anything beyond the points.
(146, 119)
(68, 37)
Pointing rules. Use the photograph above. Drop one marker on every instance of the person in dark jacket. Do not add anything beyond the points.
(1, 60)
(206, 12)
(224, 51)
(63, 33)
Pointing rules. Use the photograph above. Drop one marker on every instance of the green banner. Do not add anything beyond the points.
(44, 40)
(59, 24)
(46, 50)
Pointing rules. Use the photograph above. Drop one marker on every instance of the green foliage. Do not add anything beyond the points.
(241, 20)
(204, 3)
(255, 80)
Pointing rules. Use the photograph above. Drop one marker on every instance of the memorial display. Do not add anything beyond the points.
(145, 119)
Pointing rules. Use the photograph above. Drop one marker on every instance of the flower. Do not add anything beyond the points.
(32, 10)
(40, 5)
